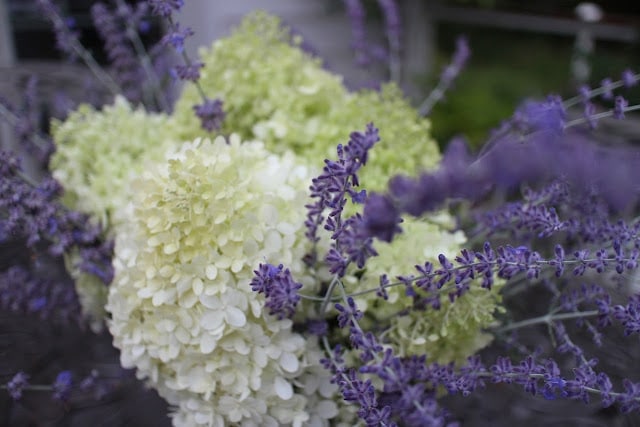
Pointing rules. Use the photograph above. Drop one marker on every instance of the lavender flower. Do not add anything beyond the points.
(33, 213)
(176, 37)
(18, 383)
(629, 315)
(189, 72)
(607, 89)
(121, 54)
(629, 78)
(449, 74)
(356, 14)
(621, 105)
(62, 386)
(67, 42)
(21, 291)
(279, 288)
(338, 179)
(165, 8)
(210, 113)
(393, 31)
(546, 115)
(381, 218)
(63, 29)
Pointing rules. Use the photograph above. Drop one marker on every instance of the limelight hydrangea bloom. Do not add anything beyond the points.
(450, 334)
(97, 152)
(183, 312)
(277, 93)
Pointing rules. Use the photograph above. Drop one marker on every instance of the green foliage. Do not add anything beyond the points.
(490, 88)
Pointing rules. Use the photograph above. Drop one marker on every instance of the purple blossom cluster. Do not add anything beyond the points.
(366, 52)
(337, 181)
(61, 388)
(165, 8)
(210, 113)
(33, 213)
(279, 289)
(113, 27)
(66, 36)
(400, 401)
(52, 299)
(539, 158)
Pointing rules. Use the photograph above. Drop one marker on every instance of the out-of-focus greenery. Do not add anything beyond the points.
(507, 66)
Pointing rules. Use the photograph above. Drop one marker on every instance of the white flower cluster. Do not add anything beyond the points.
(182, 310)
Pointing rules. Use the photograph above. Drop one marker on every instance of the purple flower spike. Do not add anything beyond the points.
(381, 217)
(621, 105)
(189, 72)
(279, 288)
(210, 113)
(165, 8)
(458, 61)
(392, 22)
(62, 386)
(607, 93)
(176, 37)
(18, 383)
(629, 78)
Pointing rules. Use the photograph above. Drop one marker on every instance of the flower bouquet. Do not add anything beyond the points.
(275, 249)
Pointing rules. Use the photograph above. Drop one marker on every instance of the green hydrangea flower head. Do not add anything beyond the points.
(182, 309)
(452, 333)
(260, 73)
(97, 151)
(279, 94)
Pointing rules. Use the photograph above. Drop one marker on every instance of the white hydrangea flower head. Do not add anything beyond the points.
(182, 310)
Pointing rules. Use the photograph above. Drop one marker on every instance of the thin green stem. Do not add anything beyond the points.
(546, 319)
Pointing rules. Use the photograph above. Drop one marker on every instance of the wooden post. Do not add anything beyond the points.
(418, 45)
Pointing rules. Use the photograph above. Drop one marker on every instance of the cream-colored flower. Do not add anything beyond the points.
(182, 310)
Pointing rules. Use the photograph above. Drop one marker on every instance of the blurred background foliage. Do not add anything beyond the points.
(507, 66)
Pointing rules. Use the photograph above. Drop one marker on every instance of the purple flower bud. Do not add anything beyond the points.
(176, 37)
(16, 386)
(279, 288)
(607, 93)
(165, 8)
(62, 386)
(210, 113)
(629, 78)
(620, 106)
